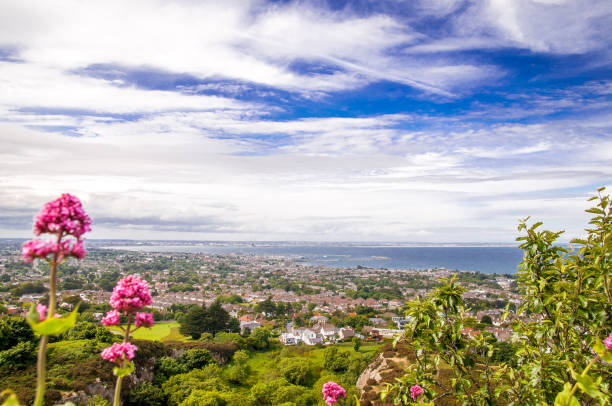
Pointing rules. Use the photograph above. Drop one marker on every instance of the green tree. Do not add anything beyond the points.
(146, 394)
(298, 371)
(165, 367)
(566, 311)
(196, 358)
(335, 361)
(239, 370)
(356, 343)
(193, 322)
(217, 319)
(259, 338)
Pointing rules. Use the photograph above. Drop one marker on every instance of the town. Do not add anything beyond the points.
(298, 302)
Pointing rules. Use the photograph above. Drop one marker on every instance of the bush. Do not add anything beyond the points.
(335, 361)
(14, 330)
(179, 387)
(296, 370)
(165, 367)
(196, 358)
(19, 356)
(146, 395)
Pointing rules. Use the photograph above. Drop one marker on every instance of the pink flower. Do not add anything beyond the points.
(608, 342)
(63, 216)
(111, 318)
(41, 309)
(74, 248)
(130, 294)
(416, 391)
(119, 352)
(33, 249)
(144, 320)
(331, 392)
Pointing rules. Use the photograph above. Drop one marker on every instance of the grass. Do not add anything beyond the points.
(159, 332)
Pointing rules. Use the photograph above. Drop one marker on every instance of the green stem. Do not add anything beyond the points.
(40, 371)
(586, 371)
(117, 400)
(41, 363)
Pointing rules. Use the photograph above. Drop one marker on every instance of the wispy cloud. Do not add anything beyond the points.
(440, 120)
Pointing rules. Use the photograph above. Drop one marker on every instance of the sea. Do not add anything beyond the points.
(485, 259)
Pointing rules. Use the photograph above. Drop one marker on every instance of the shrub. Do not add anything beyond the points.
(196, 358)
(296, 370)
(14, 330)
(146, 395)
(165, 367)
(19, 356)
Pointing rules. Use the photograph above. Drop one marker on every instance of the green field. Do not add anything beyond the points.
(159, 332)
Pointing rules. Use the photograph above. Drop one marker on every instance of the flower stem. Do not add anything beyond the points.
(117, 400)
(41, 365)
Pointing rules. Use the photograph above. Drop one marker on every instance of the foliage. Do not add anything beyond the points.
(97, 400)
(259, 338)
(239, 371)
(18, 356)
(14, 330)
(298, 371)
(234, 338)
(200, 320)
(165, 367)
(146, 394)
(196, 358)
(180, 386)
(566, 311)
(335, 361)
(356, 343)
(279, 391)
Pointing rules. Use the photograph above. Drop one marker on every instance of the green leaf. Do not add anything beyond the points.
(53, 325)
(586, 384)
(125, 371)
(11, 399)
(564, 398)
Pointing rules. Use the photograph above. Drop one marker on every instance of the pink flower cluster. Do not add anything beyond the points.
(41, 249)
(331, 392)
(608, 342)
(144, 320)
(63, 216)
(130, 294)
(119, 352)
(111, 318)
(416, 391)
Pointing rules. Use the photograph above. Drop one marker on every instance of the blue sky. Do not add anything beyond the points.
(431, 121)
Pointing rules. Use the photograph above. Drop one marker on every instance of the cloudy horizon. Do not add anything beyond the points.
(430, 121)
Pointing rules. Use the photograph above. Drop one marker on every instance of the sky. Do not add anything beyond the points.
(415, 121)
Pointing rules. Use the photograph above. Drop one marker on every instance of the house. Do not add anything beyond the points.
(328, 331)
(346, 332)
(310, 337)
(289, 339)
(248, 325)
(319, 318)
(401, 322)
